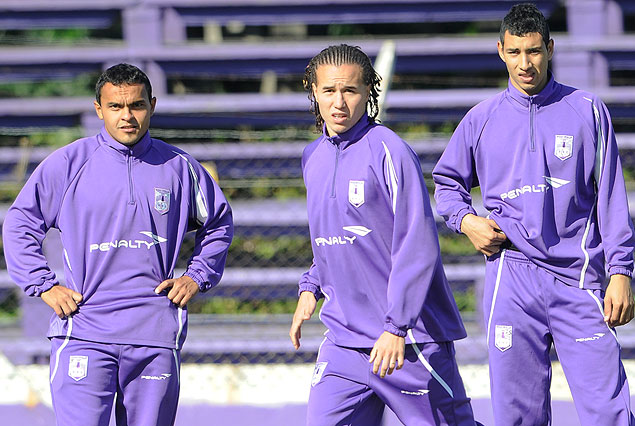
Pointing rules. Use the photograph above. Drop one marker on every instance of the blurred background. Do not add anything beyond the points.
(227, 75)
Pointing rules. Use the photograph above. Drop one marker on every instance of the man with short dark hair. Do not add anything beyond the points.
(546, 160)
(389, 311)
(123, 203)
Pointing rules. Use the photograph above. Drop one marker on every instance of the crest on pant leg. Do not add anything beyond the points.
(317, 373)
(78, 367)
(503, 337)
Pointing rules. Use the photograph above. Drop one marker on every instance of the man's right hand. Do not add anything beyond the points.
(485, 234)
(62, 299)
(304, 310)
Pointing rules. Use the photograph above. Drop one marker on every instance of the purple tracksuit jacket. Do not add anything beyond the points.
(122, 213)
(374, 240)
(550, 176)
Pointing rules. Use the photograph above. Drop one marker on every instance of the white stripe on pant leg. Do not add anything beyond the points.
(178, 366)
(498, 280)
(179, 313)
(59, 350)
(597, 301)
(428, 367)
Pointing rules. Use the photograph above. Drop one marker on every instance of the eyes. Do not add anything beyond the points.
(531, 52)
(139, 105)
(345, 90)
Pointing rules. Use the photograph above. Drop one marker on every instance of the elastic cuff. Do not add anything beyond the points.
(614, 270)
(310, 287)
(395, 330)
(38, 290)
(198, 279)
(460, 215)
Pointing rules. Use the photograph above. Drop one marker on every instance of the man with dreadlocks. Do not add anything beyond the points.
(546, 160)
(377, 263)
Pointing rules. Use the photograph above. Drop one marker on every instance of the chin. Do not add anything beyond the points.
(341, 128)
(128, 141)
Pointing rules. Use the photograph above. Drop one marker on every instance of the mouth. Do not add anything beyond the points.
(339, 117)
(128, 129)
(526, 77)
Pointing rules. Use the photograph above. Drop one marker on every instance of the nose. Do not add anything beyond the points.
(126, 113)
(339, 100)
(524, 61)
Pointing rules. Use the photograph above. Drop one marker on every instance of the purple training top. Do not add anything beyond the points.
(122, 213)
(550, 176)
(374, 240)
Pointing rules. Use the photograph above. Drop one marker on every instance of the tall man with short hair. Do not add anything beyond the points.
(123, 203)
(546, 160)
(389, 311)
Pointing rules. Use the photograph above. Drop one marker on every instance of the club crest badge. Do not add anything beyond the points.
(317, 373)
(77, 367)
(503, 337)
(162, 200)
(564, 146)
(356, 192)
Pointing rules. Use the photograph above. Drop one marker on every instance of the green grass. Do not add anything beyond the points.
(234, 305)
(456, 244)
(81, 85)
(466, 302)
(262, 251)
(10, 305)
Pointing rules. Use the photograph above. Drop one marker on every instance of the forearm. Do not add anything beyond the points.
(210, 253)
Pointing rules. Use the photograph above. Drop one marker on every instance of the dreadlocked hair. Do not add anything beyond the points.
(340, 55)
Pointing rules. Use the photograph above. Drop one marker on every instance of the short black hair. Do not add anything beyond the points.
(340, 55)
(523, 19)
(122, 74)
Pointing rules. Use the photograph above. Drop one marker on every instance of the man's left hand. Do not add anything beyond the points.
(618, 301)
(182, 290)
(387, 354)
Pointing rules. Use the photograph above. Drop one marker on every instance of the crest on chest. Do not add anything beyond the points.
(162, 200)
(563, 146)
(356, 192)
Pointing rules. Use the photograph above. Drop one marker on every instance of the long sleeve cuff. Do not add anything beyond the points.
(306, 286)
(203, 285)
(459, 218)
(37, 290)
(391, 328)
(614, 270)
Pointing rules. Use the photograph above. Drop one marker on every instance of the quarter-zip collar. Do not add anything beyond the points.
(538, 99)
(352, 135)
(137, 150)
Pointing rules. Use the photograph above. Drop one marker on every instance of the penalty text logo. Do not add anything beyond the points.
(130, 244)
(339, 240)
(552, 182)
